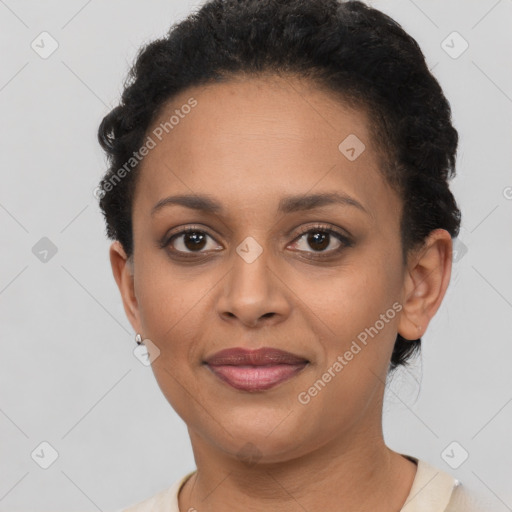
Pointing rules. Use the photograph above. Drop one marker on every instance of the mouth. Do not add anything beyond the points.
(255, 370)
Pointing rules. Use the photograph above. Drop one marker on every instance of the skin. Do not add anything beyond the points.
(248, 143)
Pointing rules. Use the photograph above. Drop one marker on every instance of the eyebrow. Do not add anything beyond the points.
(288, 204)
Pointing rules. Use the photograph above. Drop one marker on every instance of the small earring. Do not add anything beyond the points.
(138, 339)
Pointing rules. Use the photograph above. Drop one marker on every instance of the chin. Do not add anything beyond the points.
(260, 438)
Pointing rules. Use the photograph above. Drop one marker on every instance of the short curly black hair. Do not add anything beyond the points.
(354, 51)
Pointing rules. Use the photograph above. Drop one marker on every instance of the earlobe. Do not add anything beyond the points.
(122, 269)
(425, 285)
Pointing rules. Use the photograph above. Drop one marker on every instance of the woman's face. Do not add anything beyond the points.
(263, 269)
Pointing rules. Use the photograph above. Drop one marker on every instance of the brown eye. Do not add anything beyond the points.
(319, 239)
(193, 240)
(190, 240)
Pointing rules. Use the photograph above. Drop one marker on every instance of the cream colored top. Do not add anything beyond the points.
(432, 490)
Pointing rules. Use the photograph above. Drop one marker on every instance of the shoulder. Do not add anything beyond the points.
(164, 501)
(438, 491)
(464, 499)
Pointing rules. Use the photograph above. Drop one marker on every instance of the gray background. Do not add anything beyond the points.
(68, 375)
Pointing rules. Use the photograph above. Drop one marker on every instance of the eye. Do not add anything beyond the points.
(320, 238)
(189, 241)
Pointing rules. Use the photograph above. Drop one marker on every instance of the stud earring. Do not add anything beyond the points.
(138, 339)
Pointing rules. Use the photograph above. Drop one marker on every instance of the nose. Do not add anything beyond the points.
(253, 294)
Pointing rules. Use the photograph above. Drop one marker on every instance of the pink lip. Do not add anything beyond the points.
(255, 370)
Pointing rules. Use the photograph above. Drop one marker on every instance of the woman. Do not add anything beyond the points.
(282, 228)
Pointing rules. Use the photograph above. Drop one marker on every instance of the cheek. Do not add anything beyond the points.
(351, 371)
(350, 298)
(166, 296)
(171, 309)
(356, 311)
(176, 313)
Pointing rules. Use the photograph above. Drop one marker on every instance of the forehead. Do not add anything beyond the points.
(260, 137)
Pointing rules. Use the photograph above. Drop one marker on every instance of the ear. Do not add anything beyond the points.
(122, 268)
(426, 282)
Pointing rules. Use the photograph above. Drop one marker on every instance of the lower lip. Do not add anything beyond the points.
(256, 378)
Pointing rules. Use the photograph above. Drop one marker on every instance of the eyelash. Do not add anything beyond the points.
(323, 228)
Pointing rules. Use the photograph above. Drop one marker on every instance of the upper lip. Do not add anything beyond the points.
(263, 356)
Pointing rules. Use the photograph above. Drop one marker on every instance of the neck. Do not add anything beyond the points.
(353, 473)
